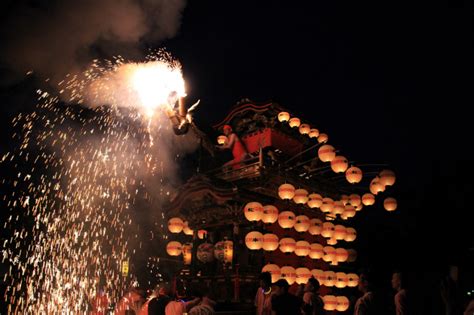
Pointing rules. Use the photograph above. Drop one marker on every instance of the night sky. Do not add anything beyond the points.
(390, 82)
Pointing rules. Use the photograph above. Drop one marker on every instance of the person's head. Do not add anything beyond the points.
(227, 130)
(365, 282)
(281, 287)
(265, 280)
(312, 285)
(397, 280)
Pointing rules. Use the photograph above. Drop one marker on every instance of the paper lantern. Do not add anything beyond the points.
(368, 199)
(328, 230)
(302, 223)
(270, 242)
(326, 153)
(330, 302)
(270, 214)
(316, 251)
(315, 226)
(287, 245)
(339, 232)
(283, 116)
(187, 251)
(304, 129)
(359, 207)
(345, 199)
(387, 177)
(354, 175)
(288, 273)
(228, 251)
(323, 138)
(352, 280)
(302, 275)
(349, 211)
(339, 164)
(174, 248)
(328, 205)
(301, 196)
(175, 225)
(341, 280)
(338, 207)
(253, 211)
(286, 191)
(313, 133)
(376, 186)
(355, 200)
(205, 253)
(330, 278)
(344, 216)
(352, 255)
(341, 255)
(317, 274)
(286, 219)
(254, 240)
(322, 278)
(351, 235)
(202, 234)
(294, 122)
(329, 253)
(390, 204)
(315, 201)
(274, 270)
(332, 241)
(342, 303)
(330, 217)
(302, 248)
(187, 230)
(222, 140)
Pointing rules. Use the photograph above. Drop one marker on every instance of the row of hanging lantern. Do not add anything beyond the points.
(206, 252)
(379, 184)
(254, 212)
(304, 129)
(177, 225)
(336, 303)
(301, 275)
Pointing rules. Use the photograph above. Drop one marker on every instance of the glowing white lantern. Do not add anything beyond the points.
(345, 199)
(286, 191)
(270, 242)
(302, 275)
(359, 207)
(341, 280)
(339, 164)
(330, 302)
(329, 253)
(332, 241)
(270, 214)
(254, 240)
(341, 255)
(352, 280)
(315, 226)
(175, 225)
(323, 138)
(326, 153)
(253, 211)
(316, 251)
(283, 116)
(174, 248)
(288, 273)
(301, 196)
(390, 204)
(351, 235)
(286, 219)
(313, 133)
(387, 178)
(342, 303)
(287, 245)
(315, 201)
(354, 175)
(338, 207)
(327, 205)
(222, 140)
(302, 223)
(328, 230)
(294, 122)
(302, 248)
(304, 129)
(330, 278)
(349, 211)
(186, 229)
(274, 270)
(355, 200)
(202, 234)
(318, 274)
(368, 199)
(376, 186)
(339, 232)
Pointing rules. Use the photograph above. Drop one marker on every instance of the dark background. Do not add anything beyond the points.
(389, 82)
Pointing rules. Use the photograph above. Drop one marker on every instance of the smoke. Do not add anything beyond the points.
(53, 38)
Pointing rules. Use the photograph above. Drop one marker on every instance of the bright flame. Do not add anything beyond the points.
(158, 83)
